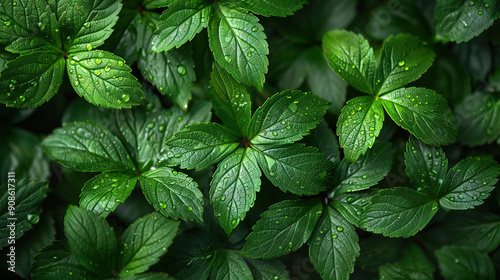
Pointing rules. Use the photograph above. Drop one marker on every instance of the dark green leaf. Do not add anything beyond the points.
(351, 205)
(326, 141)
(463, 262)
(396, 272)
(229, 265)
(399, 212)
(283, 228)
(267, 270)
(267, 8)
(414, 258)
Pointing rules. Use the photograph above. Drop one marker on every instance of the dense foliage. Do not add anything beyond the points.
(250, 139)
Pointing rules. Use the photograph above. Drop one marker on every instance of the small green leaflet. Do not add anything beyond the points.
(29, 196)
(468, 183)
(351, 57)
(267, 8)
(351, 205)
(104, 79)
(234, 186)
(286, 117)
(144, 242)
(238, 43)
(172, 193)
(283, 228)
(423, 113)
(333, 246)
(463, 263)
(399, 212)
(460, 21)
(87, 147)
(358, 125)
(229, 265)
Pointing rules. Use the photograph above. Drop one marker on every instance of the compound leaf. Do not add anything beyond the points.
(229, 265)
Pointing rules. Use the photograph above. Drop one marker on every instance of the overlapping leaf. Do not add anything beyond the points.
(463, 262)
(267, 8)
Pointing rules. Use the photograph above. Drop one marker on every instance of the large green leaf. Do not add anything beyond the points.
(31, 80)
(239, 44)
(234, 187)
(103, 193)
(351, 57)
(358, 125)
(172, 193)
(91, 239)
(396, 272)
(463, 262)
(229, 265)
(423, 113)
(399, 212)
(286, 117)
(87, 147)
(267, 8)
(462, 20)
(144, 242)
(283, 228)
(295, 168)
(200, 145)
(333, 247)
(104, 79)
(20, 216)
(468, 183)
(403, 59)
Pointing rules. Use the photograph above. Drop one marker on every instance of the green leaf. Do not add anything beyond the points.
(358, 125)
(326, 141)
(172, 193)
(239, 44)
(87, 147)
(478, 119)
(144, 242)
(423, 113)
(103, 193)
(267, 270)
(232, 101)
(20, 217)
(180, 23)
(234, 187)
(366, 171)
(399, 212)
(229, 265)
(268, 8)
(283, 228)
(426, 165)
(200, 145)
(463, 262)
(414, 258)
(403, 59)
(351, 57)
(333, 247)
(295, 168)
(396, 272)
(91, 239)
(104, 79)
(351, 205)
(460, 21)
(31, 80)
(286, 117)
(468, 183)
(87, 24)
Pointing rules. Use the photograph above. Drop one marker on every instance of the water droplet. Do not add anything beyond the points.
(86, 25)
(350, 199)
(406, 68)
(98, 61)
(401, 63)
(480, 12)
(107, 68)
(33, 219)
(228, 58)
(150, 125)
(486, 5)
(22, 98)
(126, 97)
(275, 133)
(271, 174)
(288, 127)
(97, 72)
(6, 23)
(234, 222)
(335, 236)
(89, 47)
(340, 229)
(223, 198)
(162, 205)
(181, 70)
(249, 54)
(255, 29)
(451, 198)
(161, 128)
(190, 208)
(14, 3)
(484, 183)
(120, 63)
(76, 83)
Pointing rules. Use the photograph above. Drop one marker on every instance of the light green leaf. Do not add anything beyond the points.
(396, 272)
(468, 183)
(87, 147)
(267, 8)
(286, 117)
(200, 145)
(103, 193)
(172, 193)
(426, 165)
(403, 59)
(351, 205)
(239, 44)
(399, 212)
(91, 239)
(351, 57)
(460, 21)
(31, 80)
(20, 217)
(104, 79)
(366, 171)
(144, 242)
(295, 168)
(423, 113)
(180, 23)
(333, 247)
(232, 101)
(234, 187)
(463, 262)
(267, 270)
(229, 265)
(283, 228)
(358, 125)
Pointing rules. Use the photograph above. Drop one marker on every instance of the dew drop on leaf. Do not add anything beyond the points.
(89, 47)
(181, 70)
(22, 98)
(401, 63)
(126, 97)
(228, 58)
(162, 205)
(340, 229)
(255, 29)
